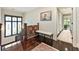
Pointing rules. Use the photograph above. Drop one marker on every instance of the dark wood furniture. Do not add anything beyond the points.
(0, 34)
(60, 45)
(46, 37)
(29, 34)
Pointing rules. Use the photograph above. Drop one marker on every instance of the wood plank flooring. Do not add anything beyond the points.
(56, 44)
(18, 47)
(59, 44)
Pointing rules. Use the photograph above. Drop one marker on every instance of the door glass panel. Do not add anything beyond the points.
(14, 26)
(14, 19)
(19, 19)
(19, 27)
(8, 18)
(8, 28)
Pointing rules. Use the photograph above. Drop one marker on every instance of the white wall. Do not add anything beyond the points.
(8, 12)
(59, 21)
(77, 26)
(74, 27)
(33, 17)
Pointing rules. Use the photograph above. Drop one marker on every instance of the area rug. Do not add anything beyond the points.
(44, 47)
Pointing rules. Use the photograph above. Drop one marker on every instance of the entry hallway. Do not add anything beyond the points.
(65, 36)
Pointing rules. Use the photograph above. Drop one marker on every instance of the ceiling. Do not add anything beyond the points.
(20, 9)
(65, 10)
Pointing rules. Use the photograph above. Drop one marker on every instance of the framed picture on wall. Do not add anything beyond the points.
(46, 16)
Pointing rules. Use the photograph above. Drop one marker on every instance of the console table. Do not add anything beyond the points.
(44, 34)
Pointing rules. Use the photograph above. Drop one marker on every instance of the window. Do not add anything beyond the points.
(12, 25)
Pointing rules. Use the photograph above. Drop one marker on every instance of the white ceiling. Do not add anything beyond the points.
(65, 10)
(20, 9)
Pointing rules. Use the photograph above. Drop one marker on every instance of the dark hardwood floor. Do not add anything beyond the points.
(60, 45)
(63, 46)
(19, 47)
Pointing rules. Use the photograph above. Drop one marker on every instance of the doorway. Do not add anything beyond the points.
(65, 22)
